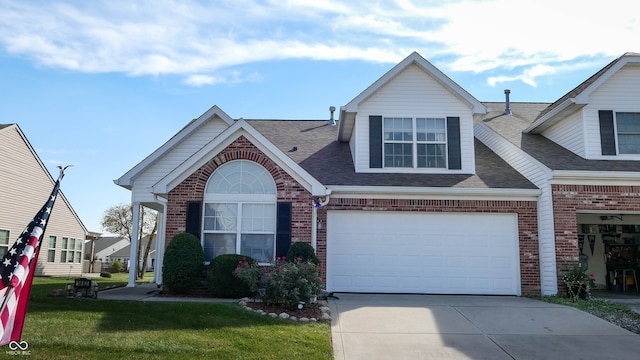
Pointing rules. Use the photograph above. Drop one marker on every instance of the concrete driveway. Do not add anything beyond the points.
(366, 326)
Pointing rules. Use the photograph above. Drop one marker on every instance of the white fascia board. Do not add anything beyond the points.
(583, 97)
(435, 193)
(218, 144)
(605, 178)
(128, 178)
(541, 123)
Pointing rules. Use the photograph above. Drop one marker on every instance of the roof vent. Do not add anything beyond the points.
(332, 121)
(507, 108)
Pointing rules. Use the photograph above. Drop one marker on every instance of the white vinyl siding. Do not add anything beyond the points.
(541, 176)
(620, 93)
(175, 157)
(22, 200)
(569, 134)
(413, 94)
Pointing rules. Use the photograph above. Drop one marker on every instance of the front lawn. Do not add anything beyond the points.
(64, 328)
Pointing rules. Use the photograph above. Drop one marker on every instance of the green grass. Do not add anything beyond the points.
(62, 328)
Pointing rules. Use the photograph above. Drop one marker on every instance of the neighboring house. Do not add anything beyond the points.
(123, 255)
(105, 246)
(583, 152)
(26, 186)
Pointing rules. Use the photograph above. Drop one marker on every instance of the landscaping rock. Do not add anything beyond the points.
(283, 315)
(313, 320)
(293, 318)
(304, 320)
(325, 309)
(273, 315)
(326, 316)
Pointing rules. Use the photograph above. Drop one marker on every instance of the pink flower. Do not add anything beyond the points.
(244, 258)
(278, 258)
(233, 272)
(280, 267)
(299, 258)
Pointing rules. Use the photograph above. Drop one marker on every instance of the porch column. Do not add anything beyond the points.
(133, 256)
(160, 244)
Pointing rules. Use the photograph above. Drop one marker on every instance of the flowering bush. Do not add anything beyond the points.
(578, 283)
(285, 283)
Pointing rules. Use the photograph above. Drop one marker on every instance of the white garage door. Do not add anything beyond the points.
(432, 253)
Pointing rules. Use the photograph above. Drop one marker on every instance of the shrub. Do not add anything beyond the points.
(116, 266)
(182, 263)
(105, 274)
(302, 251)
(285, 283)
(221, 280)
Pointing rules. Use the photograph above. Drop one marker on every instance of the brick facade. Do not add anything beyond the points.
(568, 200)
(527, 225)
(288, 190)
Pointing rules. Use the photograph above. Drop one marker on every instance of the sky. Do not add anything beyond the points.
(102, 84)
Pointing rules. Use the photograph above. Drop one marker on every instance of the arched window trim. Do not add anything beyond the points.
(214, 236)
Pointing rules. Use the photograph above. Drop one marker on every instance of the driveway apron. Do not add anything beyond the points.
(381, 326)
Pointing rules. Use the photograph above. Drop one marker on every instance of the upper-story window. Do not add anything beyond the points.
(415, 142)
(628, 129)
(240, 212)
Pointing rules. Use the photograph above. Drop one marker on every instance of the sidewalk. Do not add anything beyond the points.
(150, 292)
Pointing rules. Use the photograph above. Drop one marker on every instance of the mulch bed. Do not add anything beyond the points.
(309, 311)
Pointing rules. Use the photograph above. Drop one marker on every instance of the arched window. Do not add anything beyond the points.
(240, 212)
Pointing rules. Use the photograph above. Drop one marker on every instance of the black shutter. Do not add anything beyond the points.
(283, 228)
(194, 216)
(375, 141)
(607, 133)
(453, 143)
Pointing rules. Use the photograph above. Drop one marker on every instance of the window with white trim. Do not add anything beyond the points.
(51, 254)
(415, 142)
(628, 131)
(4, 242)
(239, 214)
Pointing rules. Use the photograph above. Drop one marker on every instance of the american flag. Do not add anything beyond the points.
(16, 271)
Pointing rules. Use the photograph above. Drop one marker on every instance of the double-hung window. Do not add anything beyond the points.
(51, 254)
(628, 129)
(415, 142)
(240, 212)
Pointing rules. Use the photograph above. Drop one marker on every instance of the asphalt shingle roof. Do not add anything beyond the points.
(312, 144)
(544, 150)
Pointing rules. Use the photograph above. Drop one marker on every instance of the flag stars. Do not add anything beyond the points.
(6, 262)
(13, 251)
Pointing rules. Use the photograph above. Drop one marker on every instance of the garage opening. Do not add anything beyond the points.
(419, 252)
(608, 244)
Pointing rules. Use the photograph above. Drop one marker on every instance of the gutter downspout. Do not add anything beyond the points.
(160, 239)
(314, 217)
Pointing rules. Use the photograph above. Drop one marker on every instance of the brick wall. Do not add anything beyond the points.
(289, 190)
(569, 199)
(527, 224)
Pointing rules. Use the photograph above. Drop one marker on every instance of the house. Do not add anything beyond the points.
(26, 185)
(124, 255)
(582, 151)
(380, 196)
(105, 246)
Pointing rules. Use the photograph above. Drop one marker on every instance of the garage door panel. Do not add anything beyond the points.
(422, 252)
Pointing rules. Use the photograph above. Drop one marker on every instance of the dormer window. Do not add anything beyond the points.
(628, 128)
(619, 132)
(415, 142)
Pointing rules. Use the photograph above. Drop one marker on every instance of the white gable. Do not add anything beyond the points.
(412, 93)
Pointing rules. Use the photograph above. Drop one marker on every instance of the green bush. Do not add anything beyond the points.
(182, 263)
(116, 266)
(285, 283)
(302, 251)
(221, 280)
(105, 274)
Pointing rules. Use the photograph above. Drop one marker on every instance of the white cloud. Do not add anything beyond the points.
(199, 40)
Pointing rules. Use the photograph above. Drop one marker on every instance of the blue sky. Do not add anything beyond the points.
(101, 84)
